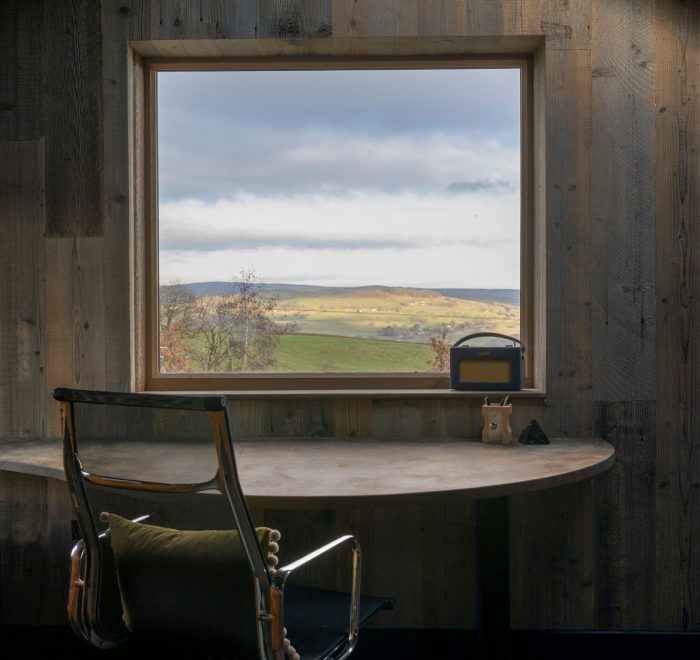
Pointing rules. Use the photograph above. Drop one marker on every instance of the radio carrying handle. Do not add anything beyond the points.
(489, 334)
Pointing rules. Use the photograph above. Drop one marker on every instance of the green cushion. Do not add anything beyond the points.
(190, 585)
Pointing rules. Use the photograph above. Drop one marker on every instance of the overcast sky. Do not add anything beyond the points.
(341, 178)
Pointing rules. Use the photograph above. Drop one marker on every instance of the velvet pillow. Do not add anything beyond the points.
(190, 585)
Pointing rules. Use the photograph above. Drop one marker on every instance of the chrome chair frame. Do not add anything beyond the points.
(84, 587)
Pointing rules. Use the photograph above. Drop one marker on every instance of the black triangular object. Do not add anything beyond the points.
(533, 434)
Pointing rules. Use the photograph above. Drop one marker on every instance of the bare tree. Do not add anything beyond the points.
(441, 348)
(176, 304)
(253, 334)
(237, 332)
(211, 349)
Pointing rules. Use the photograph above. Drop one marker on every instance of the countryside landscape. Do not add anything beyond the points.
(265, 327)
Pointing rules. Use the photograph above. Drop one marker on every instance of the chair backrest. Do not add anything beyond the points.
(169, 458)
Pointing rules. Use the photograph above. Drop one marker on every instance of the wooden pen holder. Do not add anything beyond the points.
(497, 424)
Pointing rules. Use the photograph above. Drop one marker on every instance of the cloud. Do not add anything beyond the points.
(180, 238)
(317, 162)
(335, 132)
(480, 185)
(362, 102)
(398, 240)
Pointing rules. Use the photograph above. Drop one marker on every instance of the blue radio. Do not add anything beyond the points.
(487, 367)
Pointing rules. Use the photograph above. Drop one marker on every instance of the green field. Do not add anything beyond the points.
(322, 353)
(399, 314)
(369, 329)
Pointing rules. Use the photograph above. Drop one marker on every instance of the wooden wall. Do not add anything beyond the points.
(618, 179)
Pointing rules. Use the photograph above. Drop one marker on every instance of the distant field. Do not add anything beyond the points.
(324, 353)
(367, 329)
(404, 315)
(319, 353)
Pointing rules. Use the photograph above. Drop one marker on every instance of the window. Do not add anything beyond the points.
(333, 226)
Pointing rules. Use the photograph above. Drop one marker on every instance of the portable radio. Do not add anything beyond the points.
(487, 367)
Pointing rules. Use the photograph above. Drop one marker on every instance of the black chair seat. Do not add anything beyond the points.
(316, 619)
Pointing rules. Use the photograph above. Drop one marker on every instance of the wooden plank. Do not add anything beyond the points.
(122, 176)
(21, 294)
(295, 19)
(622, 201)
(552, 561)
(442, 17)
(183, 19)
(483, 17)
(539, 210)
(21, 92)
(73, 92)
(352, 418)
(423, 557)
(75, 318)
(350, 19)
(677, 604)
(34, 550)
(625, 518)
(516, 15)
(566, 24)
(393, 18)
(396, 419)
(568, 116)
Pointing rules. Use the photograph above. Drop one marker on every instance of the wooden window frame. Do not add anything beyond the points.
(145, 185)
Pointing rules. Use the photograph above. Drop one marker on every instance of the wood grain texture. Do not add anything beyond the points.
(350, 18)
(393, 18)
(181, 19)
(22, 352)
(483, 17)
(678, 318)
(539, 210)
(75, 318)
(626, 519)
(554, 563)
(315, 473)
(566, 24)
(294, 19)
(568, 117)
(21, 75)
(34, 549)
(72, 75)
(442, 17)
(622, 201)
(122, 21)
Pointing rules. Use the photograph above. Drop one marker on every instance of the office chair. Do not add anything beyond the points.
(167, 548)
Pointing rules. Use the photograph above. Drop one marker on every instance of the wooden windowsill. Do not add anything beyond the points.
(436, 393)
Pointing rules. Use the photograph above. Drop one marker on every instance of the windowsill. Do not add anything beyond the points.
(437, 393)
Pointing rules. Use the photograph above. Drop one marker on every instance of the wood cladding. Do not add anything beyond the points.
(622, 208)
(73, 121)
(22, 356)
(620, 237)
(677, 570)
(34, 535)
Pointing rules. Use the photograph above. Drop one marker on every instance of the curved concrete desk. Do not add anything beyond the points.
(363, 473)
(329, 473)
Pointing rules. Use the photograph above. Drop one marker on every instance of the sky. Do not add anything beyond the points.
(341, 178)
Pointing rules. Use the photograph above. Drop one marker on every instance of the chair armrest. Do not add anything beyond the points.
(286, 570)
(76, 586)
(279, 578)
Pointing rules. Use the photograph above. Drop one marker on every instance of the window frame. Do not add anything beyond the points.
(147, 228)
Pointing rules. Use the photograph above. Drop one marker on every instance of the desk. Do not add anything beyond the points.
(363, 473)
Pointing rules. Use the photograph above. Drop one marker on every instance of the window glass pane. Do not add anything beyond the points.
(336, 221)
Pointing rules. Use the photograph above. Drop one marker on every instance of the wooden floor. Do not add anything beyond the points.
(59, 642)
